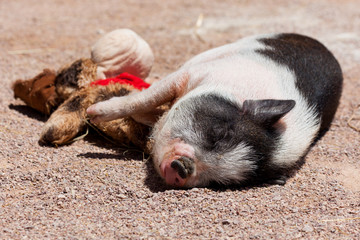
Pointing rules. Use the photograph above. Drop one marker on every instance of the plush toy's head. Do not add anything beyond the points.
(77, 75)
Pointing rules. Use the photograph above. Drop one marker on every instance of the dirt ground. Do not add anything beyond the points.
(93, 189)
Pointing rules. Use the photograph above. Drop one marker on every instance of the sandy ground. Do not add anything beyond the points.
(92, 189)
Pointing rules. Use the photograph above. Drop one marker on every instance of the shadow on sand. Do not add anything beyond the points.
(29, 112)
(153, 181)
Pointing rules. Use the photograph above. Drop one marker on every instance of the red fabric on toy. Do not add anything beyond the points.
(123, 78)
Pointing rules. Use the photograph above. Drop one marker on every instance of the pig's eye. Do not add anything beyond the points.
(216, 134)
(220, 137)
(216, 118)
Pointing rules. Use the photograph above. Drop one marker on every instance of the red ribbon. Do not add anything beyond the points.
(123, 78)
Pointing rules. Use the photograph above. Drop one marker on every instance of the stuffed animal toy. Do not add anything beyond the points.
(119, 61)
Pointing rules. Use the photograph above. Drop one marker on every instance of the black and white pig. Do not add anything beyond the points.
(246, 111)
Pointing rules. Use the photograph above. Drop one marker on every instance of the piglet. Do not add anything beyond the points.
(243, 112)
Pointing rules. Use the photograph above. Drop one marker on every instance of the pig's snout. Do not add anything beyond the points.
(178, 171)
(184, 166)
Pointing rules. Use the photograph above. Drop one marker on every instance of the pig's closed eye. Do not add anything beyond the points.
(217, 133)
(220, 136)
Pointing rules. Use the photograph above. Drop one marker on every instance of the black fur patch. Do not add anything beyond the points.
(225, 126)
(74, 104)
(319, 76)
(48, 137)
(216, 118)
(69, 77)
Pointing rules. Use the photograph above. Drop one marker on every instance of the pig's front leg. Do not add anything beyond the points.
(146, 101)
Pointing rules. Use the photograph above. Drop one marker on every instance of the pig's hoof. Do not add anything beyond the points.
(281, 180)
(99, 113)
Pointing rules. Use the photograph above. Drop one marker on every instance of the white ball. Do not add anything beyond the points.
(122, 50)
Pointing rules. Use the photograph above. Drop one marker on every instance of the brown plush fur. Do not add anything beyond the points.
(70, 118)
(75, 76)
(38, 92)
(71, 88)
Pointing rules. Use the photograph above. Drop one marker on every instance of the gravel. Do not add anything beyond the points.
(92, 189)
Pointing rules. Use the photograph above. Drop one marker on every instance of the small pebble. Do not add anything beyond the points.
(61, 196)
(308, 228)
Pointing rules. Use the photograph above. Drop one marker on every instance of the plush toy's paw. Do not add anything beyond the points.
(60, 131)
(65, 123)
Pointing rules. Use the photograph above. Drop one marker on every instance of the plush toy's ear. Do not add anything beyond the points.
(267, 111)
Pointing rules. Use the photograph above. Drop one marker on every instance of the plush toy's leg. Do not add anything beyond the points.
(123, 130)
(126, 131)
(66, 122)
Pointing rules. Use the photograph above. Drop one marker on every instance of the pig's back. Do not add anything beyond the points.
(318, 76)
(276, 66)
(271, 66)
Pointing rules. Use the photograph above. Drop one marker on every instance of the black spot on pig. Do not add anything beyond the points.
(225, 125)
(318, 74)
(216, 117)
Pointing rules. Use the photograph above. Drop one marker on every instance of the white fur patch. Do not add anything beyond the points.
(236, 167)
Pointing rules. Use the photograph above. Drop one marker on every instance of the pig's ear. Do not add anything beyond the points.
(267, 111)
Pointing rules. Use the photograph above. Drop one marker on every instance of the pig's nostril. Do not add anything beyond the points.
(184, 166)
(188, 164)
(172, 177)
(179, 168)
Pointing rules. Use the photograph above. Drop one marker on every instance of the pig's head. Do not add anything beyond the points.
(208, 138)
